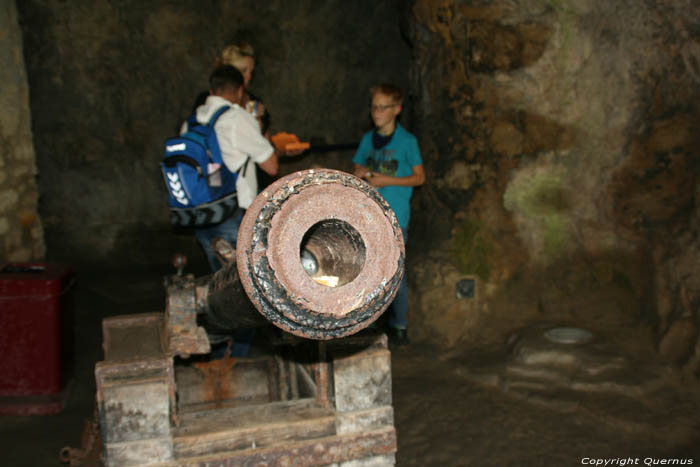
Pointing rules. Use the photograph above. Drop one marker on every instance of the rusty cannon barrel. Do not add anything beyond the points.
(320, 254)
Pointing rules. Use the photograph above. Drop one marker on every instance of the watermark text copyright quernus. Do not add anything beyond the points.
(622, 461)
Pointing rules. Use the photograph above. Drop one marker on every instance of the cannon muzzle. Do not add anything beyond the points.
(320, 254)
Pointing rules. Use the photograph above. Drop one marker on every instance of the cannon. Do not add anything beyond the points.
(320, 256)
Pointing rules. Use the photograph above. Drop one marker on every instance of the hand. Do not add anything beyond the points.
(361, 172)
(378, 180)
(291, 152)
(282, 152)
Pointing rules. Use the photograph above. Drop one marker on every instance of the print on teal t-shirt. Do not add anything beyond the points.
(397, 159)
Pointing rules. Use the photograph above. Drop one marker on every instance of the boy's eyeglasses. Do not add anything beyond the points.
(381, 108)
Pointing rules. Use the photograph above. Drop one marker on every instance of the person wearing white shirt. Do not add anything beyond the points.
(241, 143)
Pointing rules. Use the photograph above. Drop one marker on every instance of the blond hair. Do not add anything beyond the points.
(232, 54)
(391, 91)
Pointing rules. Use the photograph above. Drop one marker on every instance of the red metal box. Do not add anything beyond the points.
(35, 335)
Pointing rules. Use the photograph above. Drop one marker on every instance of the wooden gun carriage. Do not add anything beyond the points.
(320, 256)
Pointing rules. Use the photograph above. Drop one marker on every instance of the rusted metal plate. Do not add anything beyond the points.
(354, 238)
(225, 382)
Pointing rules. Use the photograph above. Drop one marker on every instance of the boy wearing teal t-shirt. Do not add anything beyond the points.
(388, 158)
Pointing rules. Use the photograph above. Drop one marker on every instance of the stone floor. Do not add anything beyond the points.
(449, 410)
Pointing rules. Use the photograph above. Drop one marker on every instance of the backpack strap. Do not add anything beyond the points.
(210, 125)
(244, 167)
(217, 114)
(192, 119)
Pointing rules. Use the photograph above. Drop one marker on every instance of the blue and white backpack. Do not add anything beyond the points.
(201, 189)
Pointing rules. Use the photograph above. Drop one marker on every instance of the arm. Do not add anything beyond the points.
(417, 178)
(252, 143)
(271, 165)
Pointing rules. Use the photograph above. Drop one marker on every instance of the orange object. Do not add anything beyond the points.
(297, 146)
(288, 142)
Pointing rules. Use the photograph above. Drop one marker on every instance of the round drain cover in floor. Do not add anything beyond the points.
(568, 335)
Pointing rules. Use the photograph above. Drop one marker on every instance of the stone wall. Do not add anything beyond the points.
(561, 141)
(21, 235)
(111, 80)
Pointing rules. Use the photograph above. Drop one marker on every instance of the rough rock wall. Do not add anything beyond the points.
(561, 139)
(21, 235)
(110, 80)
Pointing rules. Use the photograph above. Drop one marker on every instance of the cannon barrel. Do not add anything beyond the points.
(319, 254)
